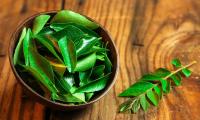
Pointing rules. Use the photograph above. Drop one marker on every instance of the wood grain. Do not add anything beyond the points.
(147, 33)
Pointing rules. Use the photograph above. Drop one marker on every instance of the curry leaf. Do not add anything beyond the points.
(85, 44)
(49, 45)
(144, 102)
(18, 48)
(137, 89)
(66, 16)
(27, 45)
(84, 77)
(86, 63)
(39, 23)
(153, 97)
(95, 85)
(68, 52)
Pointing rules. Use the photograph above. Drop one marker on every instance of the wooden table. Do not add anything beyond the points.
(147, 33)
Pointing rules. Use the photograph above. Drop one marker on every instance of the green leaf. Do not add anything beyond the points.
(137, 89)
(27, 45)
(40, 64)
(153, 97)
(66, 16)
(125, 106)
(186, 72)
(39, 22)
(84, 77)
(85, 44)
(61, 26)
(67, 49)
(86, 63)
(158, 91)
(176, 79)
(71, 98)
(88, 96)
(95, 85)
(144, 102)
(176, 62)
(136, 106)
(62, 84)
(108, 64)
(98, 71)
(41, 78)
(70, 79)
(71, 32)
(98, 51)
(150, 77)
(165, 86)
(18, 49)
(46, 31)
(49, 45)
(161, 72)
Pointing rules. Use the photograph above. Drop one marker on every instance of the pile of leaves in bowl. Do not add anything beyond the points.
(62, 57)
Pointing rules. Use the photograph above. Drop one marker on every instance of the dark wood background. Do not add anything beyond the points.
(147, 34)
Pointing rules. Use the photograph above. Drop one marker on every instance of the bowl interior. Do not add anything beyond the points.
(55, 105)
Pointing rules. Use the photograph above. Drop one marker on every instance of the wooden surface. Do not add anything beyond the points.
(147, 33)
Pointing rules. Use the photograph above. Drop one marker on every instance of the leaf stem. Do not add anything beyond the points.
(181, 68)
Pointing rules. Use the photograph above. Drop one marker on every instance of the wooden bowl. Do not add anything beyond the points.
(47, 102)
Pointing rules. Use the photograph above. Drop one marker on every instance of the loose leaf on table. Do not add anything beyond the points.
(66, 16)
(68, 52)
(177, 64)
(61, 26)
(27, 44)
(144, 102)
(136, 106)
(86, 63)
(150, 77)
(95, 85)
(158, 91)
(85, 44)
(153, 97)
(49, 45)
(18, 49)
(39, 22)
(137, 89)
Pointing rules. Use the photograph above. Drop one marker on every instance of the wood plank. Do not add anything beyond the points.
(148, 34)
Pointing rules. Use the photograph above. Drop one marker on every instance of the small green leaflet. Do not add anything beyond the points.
(39, 23)
(151, 87)
(137, 89)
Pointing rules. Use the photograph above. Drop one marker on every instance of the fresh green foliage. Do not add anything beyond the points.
(39, 23)
(66, 58)
(66, 16)
(151, 87)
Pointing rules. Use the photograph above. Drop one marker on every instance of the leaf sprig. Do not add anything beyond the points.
(151, 87)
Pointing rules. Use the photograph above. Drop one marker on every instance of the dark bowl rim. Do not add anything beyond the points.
(11, 51)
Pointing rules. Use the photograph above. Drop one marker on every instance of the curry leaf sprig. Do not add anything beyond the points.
(151, 87)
